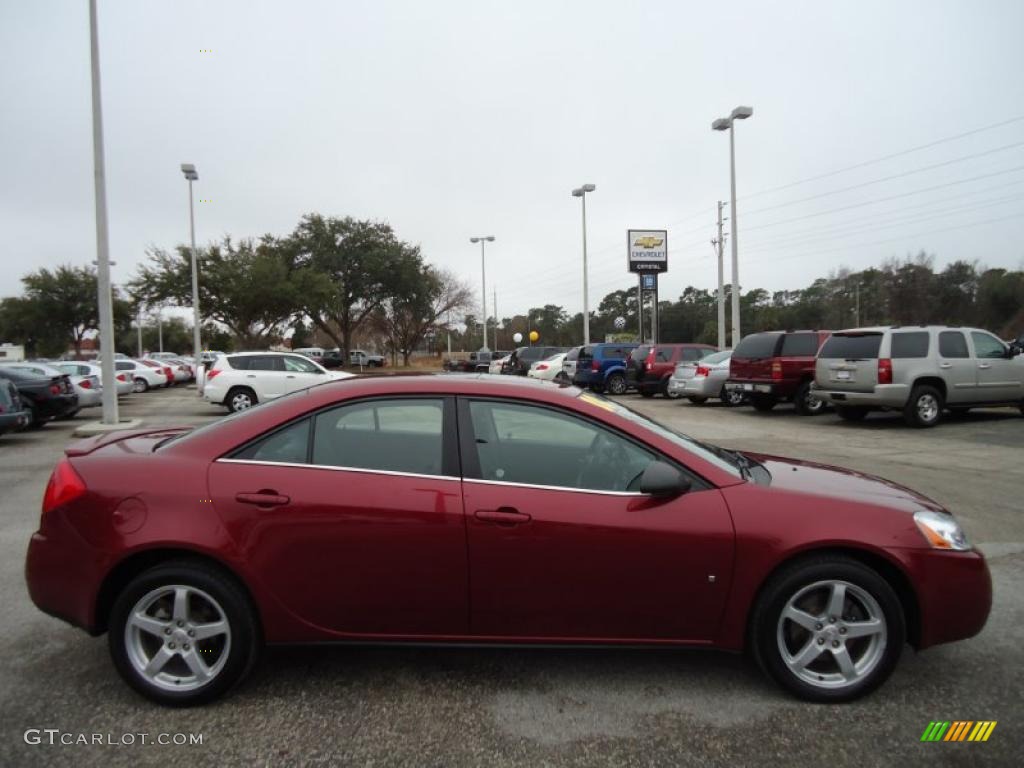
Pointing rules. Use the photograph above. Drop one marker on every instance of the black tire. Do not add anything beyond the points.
(616, 384)
(697, 399)
(768, 635)
(924, 408)
(646, 393)
(806, 404)
(851, 412)
(732, 397)
(665, 390)
(34, 422)
(763, 403)
(240, 399)
(245, 636)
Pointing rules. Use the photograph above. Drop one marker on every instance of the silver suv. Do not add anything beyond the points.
(920, 370)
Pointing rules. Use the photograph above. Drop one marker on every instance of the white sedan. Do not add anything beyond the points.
(143, 377)
(244, 379)
(549, 369)
(82, 368)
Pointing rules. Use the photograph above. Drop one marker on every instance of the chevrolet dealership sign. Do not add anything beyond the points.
(648, 250)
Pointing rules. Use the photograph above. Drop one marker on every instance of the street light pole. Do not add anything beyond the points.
(483, 278)
(722, 124)
(103, 290)
(190, 173)
(581, 193)
(719, 244)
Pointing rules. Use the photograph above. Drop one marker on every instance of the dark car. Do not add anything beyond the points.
(515, 512)
(650, 366)
(477, 362)
(332, 359)
(520, 360)
(602, 367)
(778, 365)
(13, 415)
(44, 397)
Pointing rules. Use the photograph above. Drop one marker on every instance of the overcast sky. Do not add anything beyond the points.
(452, 119)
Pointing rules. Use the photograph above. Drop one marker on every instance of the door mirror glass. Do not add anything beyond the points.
(663, 481)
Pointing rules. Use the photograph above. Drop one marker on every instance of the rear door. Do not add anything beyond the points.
(998, 375)
(848, 362)
(958, 369)
(266, 376)
(353, 517)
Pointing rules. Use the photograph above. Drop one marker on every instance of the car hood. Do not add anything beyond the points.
(846, 484)
(340, 374)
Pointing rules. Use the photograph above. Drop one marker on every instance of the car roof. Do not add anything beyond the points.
(268, 352)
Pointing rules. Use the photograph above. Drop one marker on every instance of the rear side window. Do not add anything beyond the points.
(240, 363)
(664, 354)
(851, 347)
(909, 345)
(799, 345)
(757, 345)
(391, 435)
(124, 366)
(289, 445)
(952, 344)
(267, 363)
(692, 354)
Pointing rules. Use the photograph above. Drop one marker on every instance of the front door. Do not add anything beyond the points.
(562, 546)
(357, 528)
(999, 376)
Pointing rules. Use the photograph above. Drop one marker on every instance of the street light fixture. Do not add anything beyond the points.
(483, 277)
(726, 124)
(190, 174)
(581, 193)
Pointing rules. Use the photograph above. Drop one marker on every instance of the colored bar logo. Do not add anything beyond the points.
(959, 730)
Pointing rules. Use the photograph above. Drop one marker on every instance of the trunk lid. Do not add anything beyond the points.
(133, 440)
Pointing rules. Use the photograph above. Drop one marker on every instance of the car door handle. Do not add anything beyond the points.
(262, 499)
(250, 375)
(506, 516)
(290, 376)
(984, 365)
(945, 365)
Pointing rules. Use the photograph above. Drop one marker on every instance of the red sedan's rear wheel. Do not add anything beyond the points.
(829, 629)
(182, 633)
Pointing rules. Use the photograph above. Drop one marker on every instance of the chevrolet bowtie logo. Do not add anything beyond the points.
(648, 242)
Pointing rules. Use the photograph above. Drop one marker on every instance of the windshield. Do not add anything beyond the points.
(721, 458)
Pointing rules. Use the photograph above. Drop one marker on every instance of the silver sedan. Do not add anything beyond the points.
(704, 379)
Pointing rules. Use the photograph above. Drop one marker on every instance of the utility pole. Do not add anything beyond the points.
(719, 244)
(856, 321)
(159, 329)
(496, 316)
(139, 323)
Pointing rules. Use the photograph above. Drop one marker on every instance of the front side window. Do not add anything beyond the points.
(298, 365)
(402, 435)
(538, 446)
(905, 345)
(290, 445)
(952, 344)
(987, 346)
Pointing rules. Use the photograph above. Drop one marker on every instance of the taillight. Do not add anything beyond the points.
(54, 389)
(542, 367)
(703, 370)
(595, 365)
(65, 486)
(211, 374)
(885, 371)
(121, 377)
(168, 373)
(649, 366)
(776, 370)
(85, 384)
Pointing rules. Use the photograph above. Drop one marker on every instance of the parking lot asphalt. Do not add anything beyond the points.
(496, 707)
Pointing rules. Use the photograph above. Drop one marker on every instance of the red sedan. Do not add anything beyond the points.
(486, 510)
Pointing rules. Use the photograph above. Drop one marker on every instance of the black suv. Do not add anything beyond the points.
(519, 362)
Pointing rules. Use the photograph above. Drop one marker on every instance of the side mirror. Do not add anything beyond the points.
(1015, 349)
(663, 481)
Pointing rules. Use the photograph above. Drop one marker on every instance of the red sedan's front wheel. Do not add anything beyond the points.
(830, 629)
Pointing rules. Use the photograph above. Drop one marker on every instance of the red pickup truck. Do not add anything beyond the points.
(778, 365)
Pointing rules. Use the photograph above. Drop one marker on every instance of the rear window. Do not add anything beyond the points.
(586, 353)
(909, 345)
(852, 347)
(572, 354)
(800, 345)
(757, 345)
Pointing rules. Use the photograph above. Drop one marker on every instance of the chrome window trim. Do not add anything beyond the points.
(362, 470)
(551, 487)
(393, 473)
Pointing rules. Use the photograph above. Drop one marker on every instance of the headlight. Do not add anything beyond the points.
(941, 530)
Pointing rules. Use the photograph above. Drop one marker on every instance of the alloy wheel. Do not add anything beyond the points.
(178, 638)
(927, 408)
(831, 634)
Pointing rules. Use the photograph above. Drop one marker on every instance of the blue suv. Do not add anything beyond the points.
(602, 367)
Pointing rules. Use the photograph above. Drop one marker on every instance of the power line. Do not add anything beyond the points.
(887, 178)
(883, 158)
